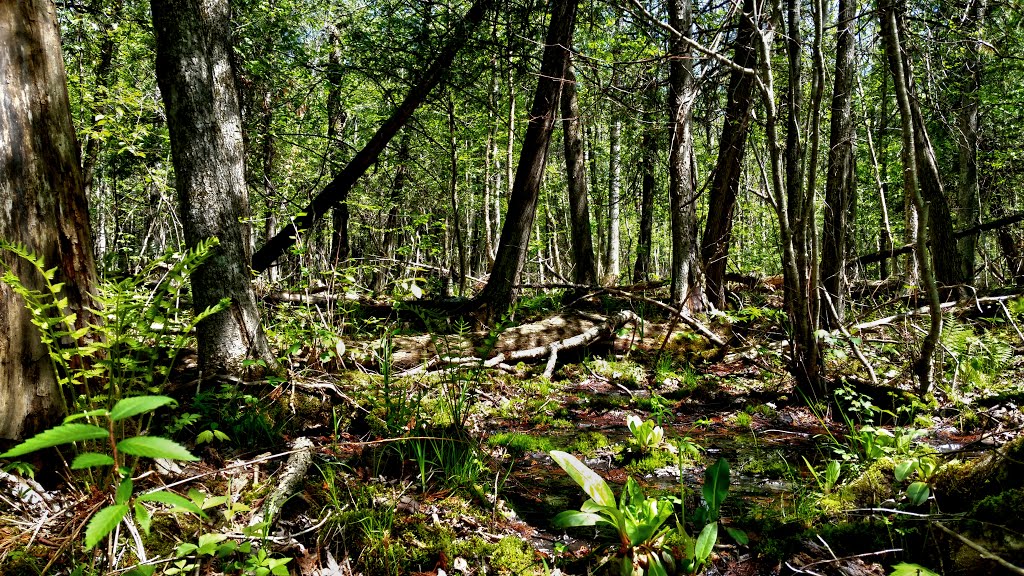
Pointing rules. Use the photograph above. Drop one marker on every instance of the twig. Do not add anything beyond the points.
(985, 553)
(853, 344)
(833, 560)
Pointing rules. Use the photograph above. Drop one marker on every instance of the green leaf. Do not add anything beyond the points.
(154, 447)
(918, 493)
(904, 469)
(905, 569)
(592, 484)
(655, 568)
(738, 535)
(128, 407)
(102, 523)
(124, 491)
(706, 542)
(91, 460)
(716, 485)
(63, 434)
(89, 414)
(143, 516)
(173, 499)
(145, 570)
(574, 518)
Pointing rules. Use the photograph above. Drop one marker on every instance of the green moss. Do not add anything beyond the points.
(875, 484)
(648, 463)
(512, 556)
(588, 443)
(767, 464)
(519, 443)
(623, 372)
(1005, 508)
(762, 409)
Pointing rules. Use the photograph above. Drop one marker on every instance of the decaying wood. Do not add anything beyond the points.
(291, 477)
(549, 350)
(946, 306)
(981, 550)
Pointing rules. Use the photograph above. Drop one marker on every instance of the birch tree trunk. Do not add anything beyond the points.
(611, 259)
(197, 82)
(42, 205)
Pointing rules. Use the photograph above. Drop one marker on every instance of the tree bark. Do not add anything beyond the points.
(391, 232)
(648, 186)
(337, 191)
(838, 184)
(42, 206)
(196, 79)
(611, 259)
(729, 165)
(970, 98)
(584, 267)
(902, 80)
(685, 293)
(513, 246)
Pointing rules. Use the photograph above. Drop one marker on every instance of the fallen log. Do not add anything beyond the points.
(549, 350)
(294, 472)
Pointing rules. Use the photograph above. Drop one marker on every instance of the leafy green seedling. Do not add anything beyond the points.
(646, 435)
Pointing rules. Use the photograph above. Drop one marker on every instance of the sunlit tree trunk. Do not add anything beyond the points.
(42, 206)
(725, 182)
(584, 267)
(197, 82)
(391, 224)
(685, 290)
(838, 185)
(522, 205)
(902, 77)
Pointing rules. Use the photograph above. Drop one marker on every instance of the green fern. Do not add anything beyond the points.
(975, 358)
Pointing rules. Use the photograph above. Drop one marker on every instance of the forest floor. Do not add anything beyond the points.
(448, 470)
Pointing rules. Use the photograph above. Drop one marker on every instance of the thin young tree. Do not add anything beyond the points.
(584, 265)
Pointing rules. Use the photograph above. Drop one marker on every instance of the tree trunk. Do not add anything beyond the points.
(584, 270)
(611, 259)
(391, 232)
(194, 71)
(685, 293)
(729, 166)
(648, 186)
(453, 192)
(42, 206)
(838, 185)
(514, 244)
(902, 80)
(970, 189)
(337, 117)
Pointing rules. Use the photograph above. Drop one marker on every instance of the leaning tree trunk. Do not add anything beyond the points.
(838, 185)
(584, 266)
(729, 166)
(193, 65)
(497, 295)
(685, 293)
(42, 206)
(902, 78)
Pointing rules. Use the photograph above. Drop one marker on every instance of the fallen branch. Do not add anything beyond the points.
(924, 310)
(981, 550)
(294, 471)
(550, 350)
(908, 248)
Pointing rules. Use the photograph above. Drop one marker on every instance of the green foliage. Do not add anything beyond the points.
(974, 358)
(106, 519)
(907, 569)
(646, 435)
